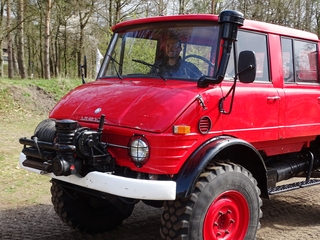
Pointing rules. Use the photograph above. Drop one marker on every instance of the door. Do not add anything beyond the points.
(255, 111)
(301, 88)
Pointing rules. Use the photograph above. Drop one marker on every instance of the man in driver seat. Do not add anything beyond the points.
(172, 64)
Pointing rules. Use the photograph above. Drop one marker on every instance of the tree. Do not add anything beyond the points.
(53, 35)
(9, 39)
(84, 11)
(47, 40)
(2, 4)
(20, 40)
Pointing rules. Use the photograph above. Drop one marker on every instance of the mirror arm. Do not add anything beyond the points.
(232, 89)
(250, 67)
(221, 101)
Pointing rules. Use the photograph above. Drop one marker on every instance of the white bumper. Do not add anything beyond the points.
(116, 185)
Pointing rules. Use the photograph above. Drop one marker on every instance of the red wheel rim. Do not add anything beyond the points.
(227, 217)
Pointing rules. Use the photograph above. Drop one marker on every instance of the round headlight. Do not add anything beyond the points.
(139, 151)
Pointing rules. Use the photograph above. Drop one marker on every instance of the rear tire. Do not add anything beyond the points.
(85, 212)
(224, 205)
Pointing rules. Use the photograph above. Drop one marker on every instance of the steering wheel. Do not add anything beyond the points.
(199, 57)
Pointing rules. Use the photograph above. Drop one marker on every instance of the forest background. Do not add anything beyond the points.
(48, 38)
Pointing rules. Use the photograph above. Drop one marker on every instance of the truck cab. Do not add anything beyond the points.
(204, 138)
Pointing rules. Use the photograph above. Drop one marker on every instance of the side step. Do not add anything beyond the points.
(293, 186)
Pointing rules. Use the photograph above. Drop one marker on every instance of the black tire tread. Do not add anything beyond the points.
(65, 202)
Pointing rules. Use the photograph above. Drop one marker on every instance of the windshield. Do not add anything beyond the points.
(187, 51)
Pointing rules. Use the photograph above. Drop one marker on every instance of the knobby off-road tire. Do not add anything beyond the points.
(86, 213)
(225, 204)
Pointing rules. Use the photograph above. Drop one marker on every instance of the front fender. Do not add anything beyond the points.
(223, 147)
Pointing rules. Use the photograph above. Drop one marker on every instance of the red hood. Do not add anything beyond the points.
(151, 106)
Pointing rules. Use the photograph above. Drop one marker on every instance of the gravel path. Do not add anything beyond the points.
(290, 216)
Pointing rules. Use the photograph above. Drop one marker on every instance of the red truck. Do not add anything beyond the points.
(206, 146)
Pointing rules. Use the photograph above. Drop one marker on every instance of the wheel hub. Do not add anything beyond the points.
(227, 217)
(224, 223)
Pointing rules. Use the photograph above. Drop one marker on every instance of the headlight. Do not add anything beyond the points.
(139, 150)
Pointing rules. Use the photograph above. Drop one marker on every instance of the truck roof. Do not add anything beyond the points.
(248, 25)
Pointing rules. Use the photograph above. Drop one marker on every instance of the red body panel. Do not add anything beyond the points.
(146, 104)
(126, 104)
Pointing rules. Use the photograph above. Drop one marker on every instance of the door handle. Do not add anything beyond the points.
(273, 98)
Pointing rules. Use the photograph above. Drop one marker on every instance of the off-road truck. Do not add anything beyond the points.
(205, 149)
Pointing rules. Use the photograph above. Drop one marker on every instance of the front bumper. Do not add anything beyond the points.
(116, 185)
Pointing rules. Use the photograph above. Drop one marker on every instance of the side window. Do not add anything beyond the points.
(301, 68)
(257, 43)
(287, 61)
(305, 61)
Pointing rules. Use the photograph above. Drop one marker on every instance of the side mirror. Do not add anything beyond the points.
(247, 66)
(84, 66)
(83, 69)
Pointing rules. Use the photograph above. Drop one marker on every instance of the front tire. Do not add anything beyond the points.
(224, 205)
(85, 212)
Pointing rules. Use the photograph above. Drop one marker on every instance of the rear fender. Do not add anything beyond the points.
(220, 148)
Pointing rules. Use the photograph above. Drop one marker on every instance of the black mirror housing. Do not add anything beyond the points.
(247, 66)
(83, 69)
(85, 65)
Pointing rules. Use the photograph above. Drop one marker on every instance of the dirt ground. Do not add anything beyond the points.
(288, 216)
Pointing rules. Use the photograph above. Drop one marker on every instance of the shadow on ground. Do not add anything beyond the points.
(287, 216)
(41, 222)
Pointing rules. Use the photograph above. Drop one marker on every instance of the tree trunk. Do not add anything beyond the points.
(1, 37)
(9, 39)
(47, 41)
(80, 49)
(20, 45)
(213, 7)
(14, 62)
(181, 6)
(65, 41)
(1, 60)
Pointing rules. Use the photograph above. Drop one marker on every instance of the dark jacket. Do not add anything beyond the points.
(182, 69)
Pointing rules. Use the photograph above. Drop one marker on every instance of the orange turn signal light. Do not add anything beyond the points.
(181, 129)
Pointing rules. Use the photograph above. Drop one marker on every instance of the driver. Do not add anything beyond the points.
(172, 64)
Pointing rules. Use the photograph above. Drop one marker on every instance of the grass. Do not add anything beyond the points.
(55, 87)
(18, 187)
(20, 111)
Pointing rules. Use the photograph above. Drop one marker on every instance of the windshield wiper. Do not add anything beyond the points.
(151, 66)
(115, 67)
